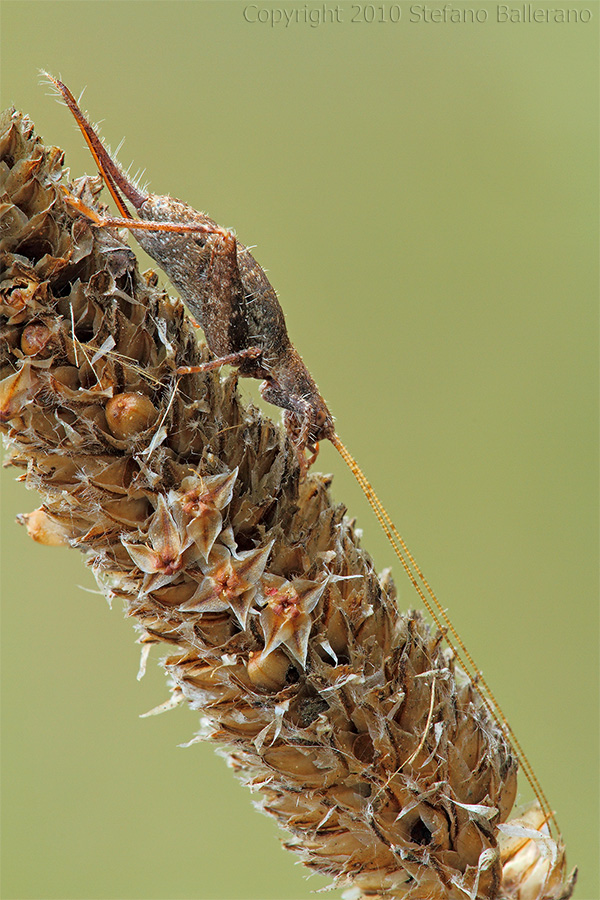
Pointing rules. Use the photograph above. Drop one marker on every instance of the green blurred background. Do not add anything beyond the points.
(424, 197)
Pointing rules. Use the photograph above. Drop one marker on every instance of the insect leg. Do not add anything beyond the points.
(114, 178)
(297, 419)
(232, 359)
(141, 224)
(224, 253)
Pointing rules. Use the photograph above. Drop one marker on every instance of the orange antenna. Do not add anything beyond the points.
(441, 619)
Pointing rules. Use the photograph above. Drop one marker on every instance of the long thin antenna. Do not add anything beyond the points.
(441, 619)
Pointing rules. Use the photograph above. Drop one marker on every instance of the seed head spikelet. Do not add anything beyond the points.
(348, 719)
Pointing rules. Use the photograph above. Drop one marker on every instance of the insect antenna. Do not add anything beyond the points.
(442, 620)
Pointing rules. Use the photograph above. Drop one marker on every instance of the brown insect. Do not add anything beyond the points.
(237, 307)
(224, 287)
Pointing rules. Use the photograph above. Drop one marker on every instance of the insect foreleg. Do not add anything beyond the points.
(297, 417)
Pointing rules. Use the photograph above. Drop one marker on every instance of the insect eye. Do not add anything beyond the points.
(321, 417)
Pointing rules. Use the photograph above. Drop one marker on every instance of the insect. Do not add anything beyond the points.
(226, 290)
(234, 302)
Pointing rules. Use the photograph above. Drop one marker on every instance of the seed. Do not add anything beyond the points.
(34, 340)
(44, 529)
(129, 414)
(268, 673)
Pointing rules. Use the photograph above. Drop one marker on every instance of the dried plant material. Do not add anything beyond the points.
(349, 720)
(129, 414)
